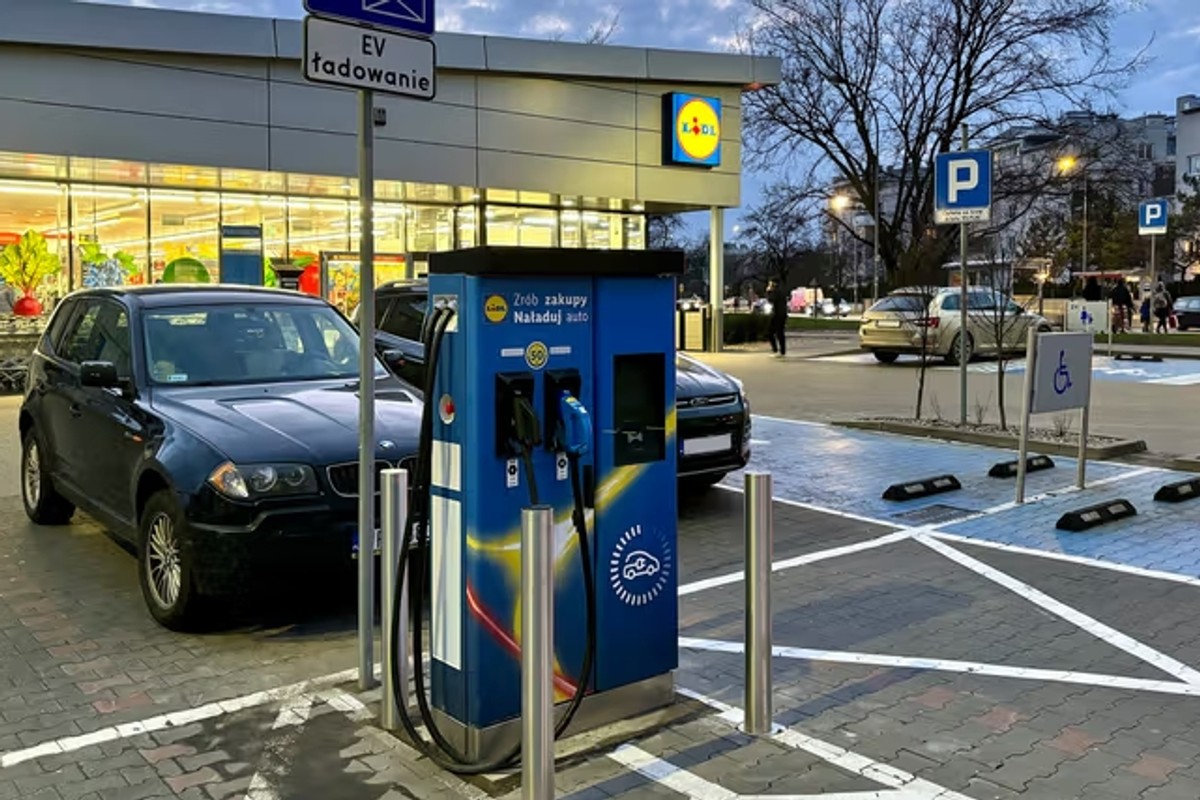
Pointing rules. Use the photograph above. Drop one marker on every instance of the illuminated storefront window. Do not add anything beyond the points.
(184, 236)
(116, 222)
(108, 229)
(509, 226)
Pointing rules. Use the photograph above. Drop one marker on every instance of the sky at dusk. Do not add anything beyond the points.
(1171, 28)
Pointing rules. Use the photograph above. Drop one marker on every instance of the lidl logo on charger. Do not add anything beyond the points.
(495, 308)
(694, 135)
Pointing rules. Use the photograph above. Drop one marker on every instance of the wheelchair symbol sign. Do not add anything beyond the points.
(1062, 375)
(1062, 372)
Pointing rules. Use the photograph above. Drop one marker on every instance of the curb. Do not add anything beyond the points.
(1106, 452)
(1102, 350)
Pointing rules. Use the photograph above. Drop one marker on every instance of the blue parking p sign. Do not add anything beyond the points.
(962, 187)
(1152, 217)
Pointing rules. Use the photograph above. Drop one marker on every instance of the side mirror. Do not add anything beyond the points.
(393, 358)
(100, 374)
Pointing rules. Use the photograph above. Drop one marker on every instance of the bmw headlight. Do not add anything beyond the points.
(251, 481)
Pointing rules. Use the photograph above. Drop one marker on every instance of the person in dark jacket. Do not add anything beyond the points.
(777, 297)
(1091, 290)
(1122, 303)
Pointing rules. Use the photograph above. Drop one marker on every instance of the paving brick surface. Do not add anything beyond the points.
(81, 654)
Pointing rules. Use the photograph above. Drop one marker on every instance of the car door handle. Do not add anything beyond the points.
(76, 411)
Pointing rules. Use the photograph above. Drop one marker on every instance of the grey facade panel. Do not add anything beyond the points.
(556, 175)
(97, 82)
(612, 105)
(55, 22)
(690, 187)
(768, 71)
(75, 131)
(337, 154)
(564, 58)
(327, 109)
(515, 133)
(679, 65)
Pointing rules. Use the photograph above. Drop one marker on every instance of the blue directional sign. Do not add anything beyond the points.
(962, 187)
(1152, 217)
(409, 16)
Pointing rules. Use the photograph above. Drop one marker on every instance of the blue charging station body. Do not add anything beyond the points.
(600, 323)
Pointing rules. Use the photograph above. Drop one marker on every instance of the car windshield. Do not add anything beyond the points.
(249, 343)
(904, 303)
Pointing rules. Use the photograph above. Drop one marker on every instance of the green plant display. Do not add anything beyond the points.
(102, 269)
(186, 270)
(28, 262)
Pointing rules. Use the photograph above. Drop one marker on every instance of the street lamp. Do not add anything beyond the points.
(1067, 165)
(839, 203)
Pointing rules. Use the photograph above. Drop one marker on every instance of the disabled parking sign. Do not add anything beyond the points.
(1062, 377)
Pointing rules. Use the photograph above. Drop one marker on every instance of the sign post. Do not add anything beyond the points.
(1058, 377)
(963, 194)
(372, 46)
(1152, 222)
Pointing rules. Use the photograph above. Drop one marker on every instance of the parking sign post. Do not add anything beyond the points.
(962, 194)
(370, 46)
(962, 336)
(1152, 222)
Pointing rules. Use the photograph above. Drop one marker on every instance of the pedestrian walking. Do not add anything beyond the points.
(1161, 303)
(1145, 313)
(777, 297)
(1092, 291)
(1122, 303)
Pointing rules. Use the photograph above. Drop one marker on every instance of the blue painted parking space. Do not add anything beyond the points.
(1171, 372)
(848, 470)
(1163, 536)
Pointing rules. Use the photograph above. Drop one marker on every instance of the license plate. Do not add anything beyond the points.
(888, 323)
(708, 444)
(354, 545)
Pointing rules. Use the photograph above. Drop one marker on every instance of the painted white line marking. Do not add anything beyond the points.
(669, 775)
(279, 750)
(1071, 559)
(1178, 380)
(833, 512)
(915, 788)
(172, 720)
(1093, 626)
(950, 665)
(1072, 489)
(347, 703)
(796, 561)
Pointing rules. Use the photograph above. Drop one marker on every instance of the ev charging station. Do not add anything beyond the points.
(551, 383)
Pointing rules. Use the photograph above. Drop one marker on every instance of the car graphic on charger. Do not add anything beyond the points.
(640, 564)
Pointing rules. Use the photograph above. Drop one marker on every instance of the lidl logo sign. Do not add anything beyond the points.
(692, 130)
(495, 308)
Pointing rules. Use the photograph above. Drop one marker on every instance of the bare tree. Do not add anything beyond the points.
(876, 87)
(777, 231)
(665, 231)
(604, 29)
(999, 322)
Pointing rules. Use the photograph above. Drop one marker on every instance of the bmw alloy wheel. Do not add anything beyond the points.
(163, 566)
(31, 475)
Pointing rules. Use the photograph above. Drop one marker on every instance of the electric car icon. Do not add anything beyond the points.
(640, 564)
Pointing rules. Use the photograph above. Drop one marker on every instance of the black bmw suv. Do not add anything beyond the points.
(213, 428)
(712, 409)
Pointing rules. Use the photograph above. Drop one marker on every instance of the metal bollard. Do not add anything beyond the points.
(760, 546)
(537, 653)
(393, 518)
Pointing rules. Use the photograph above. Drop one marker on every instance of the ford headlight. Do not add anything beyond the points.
(252, 481)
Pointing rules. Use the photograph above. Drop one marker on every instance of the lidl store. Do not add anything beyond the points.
(146, 145)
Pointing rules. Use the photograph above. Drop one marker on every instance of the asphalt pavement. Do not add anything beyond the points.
(826, 379)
